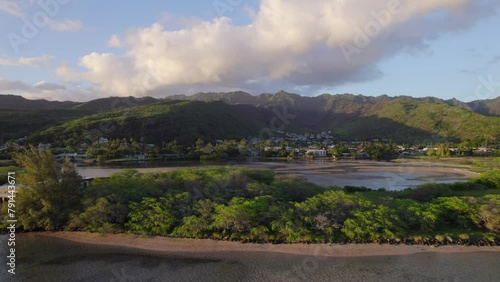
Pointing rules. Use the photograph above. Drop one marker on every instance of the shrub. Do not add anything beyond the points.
(490, 179)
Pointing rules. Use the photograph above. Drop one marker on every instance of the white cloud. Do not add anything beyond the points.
(25, 61)
(290, 44)
(66, 72)
(11, 7)
(114, 42)
(65, 25)
(47, 90)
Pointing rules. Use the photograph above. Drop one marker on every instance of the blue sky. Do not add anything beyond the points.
(161, 48)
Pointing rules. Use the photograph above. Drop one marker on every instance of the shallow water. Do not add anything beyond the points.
(50, 259)
(375, 180)
(322, 173)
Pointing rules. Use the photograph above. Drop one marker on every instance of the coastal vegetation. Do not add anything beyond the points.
(242, 204)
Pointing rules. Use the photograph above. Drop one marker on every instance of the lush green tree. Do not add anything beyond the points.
(175, 148)
(106, 214)
(158, 216)
(371, 222)
(288, 227)
(415, 217)
(245, 219)
(49, 192)
(326, 213)
(243, 147)
(455, 212)
(490, 179)
(198, 225)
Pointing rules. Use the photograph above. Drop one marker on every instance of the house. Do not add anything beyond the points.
(103, 140)
(317, 153)
(85, 182)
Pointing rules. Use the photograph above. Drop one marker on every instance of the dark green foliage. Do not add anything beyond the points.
(371, 222)
(20, 123)
(489, 179)
(351, 189)
(326, 213)
(106, 214)
(49, 193)
(295, 191)
(158, 215)
(427, 192)
(455, 212)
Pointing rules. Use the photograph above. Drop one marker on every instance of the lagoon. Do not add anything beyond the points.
(389, 175)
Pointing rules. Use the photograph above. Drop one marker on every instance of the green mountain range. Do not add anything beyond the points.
(212, 116)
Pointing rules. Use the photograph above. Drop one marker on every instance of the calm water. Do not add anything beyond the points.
(48, 259)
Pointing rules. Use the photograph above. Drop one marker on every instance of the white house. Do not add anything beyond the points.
(317, 153)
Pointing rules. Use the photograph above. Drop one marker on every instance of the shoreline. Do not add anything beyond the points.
(194, 246)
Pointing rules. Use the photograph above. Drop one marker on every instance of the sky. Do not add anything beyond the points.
(81, 50)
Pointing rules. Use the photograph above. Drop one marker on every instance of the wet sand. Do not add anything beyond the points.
(185, 246)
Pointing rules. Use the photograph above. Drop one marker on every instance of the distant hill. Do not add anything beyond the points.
(15, 124)
(114, 103)
(485, 107)
(334, 102)
(238, 114)
(15, 102)
(184, 121)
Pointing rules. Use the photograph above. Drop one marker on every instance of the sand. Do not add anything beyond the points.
(179, 245)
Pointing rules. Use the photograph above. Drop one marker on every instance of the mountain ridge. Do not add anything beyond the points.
(489, 107)
(348, 116)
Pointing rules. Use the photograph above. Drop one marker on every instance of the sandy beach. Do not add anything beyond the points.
(179, 245)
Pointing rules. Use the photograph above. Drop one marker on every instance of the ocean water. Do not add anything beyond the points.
(40, 258)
